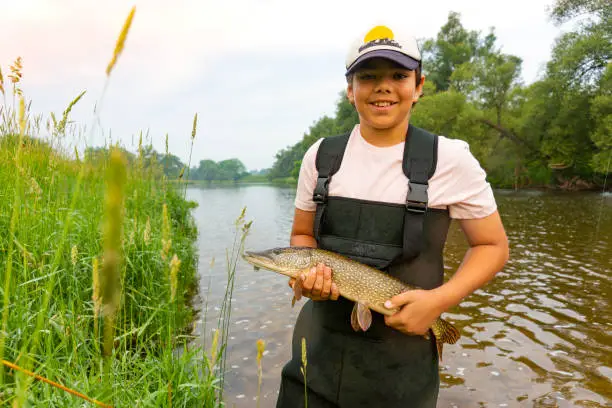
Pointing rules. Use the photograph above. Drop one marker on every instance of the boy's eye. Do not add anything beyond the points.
(399, 75)
(366, 76)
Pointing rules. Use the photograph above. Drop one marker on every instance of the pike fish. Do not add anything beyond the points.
(368, 287)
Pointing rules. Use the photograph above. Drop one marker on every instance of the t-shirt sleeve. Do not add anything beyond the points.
(472, 196)
(307, 179)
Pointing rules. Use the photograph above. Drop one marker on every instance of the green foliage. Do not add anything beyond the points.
(556, 132)
(209, 170)
(453, 46)
(56, 237)
(289, 159)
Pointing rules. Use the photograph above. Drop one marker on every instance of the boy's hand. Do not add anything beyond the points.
(419, 309)
(317, 283)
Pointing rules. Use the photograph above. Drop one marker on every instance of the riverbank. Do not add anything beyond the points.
(292, 182)
(62, 316)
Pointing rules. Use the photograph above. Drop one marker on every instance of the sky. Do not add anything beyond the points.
(258, 73)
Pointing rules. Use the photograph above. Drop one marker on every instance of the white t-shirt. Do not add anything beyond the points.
(375, 173)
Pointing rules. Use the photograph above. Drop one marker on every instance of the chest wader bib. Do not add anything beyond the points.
(381, 367)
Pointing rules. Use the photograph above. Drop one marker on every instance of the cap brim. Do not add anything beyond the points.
(397, 57)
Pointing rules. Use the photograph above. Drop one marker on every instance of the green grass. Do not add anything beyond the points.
(98, 269)
(55, 221)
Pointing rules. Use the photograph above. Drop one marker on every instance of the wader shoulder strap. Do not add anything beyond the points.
(329, 157)
(419, 164)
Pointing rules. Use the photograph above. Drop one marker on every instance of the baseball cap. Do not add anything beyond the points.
(382, 42)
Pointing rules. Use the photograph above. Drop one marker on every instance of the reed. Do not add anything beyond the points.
(261, 347)
(121, 41)
(303, 370)
(97, 313)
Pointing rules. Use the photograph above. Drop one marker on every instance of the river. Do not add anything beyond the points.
(538, 335)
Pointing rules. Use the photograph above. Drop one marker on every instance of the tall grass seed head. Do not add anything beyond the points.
(165, 222)
(261, 347)
(1, 82)
(121, 41)
(147, 232)
(166, 246)
(16, 73)
(195, 125)
(175, 264)
(74, 254)
(116, 178)
(96, 287)
(213, 347)
(22, 116)
(304, 359)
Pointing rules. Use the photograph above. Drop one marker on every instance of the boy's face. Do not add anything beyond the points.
(383, 93)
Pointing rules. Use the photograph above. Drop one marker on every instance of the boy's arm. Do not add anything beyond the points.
(317, 284)
(487, 255)
(302, 233)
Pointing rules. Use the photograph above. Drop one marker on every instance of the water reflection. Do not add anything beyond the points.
(538, 335)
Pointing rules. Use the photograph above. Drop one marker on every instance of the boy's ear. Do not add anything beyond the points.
(418, 92)
(350, 95)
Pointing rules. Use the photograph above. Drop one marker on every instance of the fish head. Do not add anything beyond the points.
(287, 261)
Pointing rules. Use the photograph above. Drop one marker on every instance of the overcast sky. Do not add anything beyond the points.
(257, 72)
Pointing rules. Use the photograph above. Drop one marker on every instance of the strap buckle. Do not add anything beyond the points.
(320, 191)
(416, 200)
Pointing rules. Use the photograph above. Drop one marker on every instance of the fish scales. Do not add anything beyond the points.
(361, 283)
(368, 287)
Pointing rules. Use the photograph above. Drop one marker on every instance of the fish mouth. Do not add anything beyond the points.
(260, 260)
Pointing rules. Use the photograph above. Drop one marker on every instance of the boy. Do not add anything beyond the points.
(384, 195)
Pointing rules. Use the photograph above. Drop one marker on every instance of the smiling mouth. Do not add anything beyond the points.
(383, 104)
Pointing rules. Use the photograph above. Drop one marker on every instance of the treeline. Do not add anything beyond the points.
(555, 132)
(148, 159)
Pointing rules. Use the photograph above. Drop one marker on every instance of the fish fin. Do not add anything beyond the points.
(364, 316)
(256, 268)
(293, 301)
(297, 289)
(445, 332)
(439, 345)
(354, 320)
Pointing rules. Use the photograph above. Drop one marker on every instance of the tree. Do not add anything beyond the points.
(453, 46)
(564, 10)
(231, 169)
(207, 170)
(171, 165)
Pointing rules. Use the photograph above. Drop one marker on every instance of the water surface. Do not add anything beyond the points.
(538, 335)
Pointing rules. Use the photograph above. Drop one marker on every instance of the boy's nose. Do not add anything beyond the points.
(383, 84)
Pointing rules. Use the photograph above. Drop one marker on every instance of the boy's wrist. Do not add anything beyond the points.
(447, 296)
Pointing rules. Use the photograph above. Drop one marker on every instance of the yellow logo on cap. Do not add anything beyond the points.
(378, 33)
